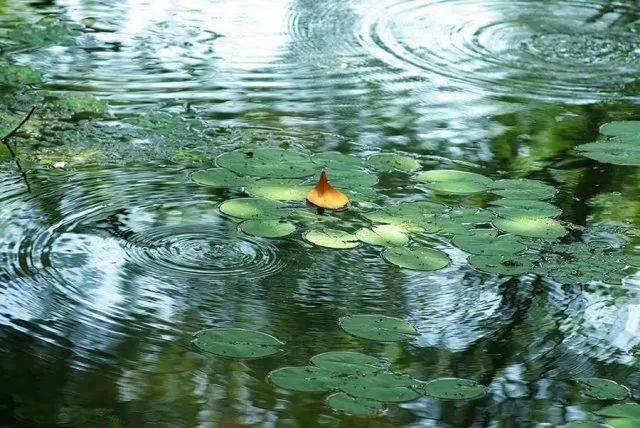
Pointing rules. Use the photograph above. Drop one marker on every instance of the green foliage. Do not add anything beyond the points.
(268, 163)
(417, 258)
(18, 75)
(383, 235)
(602, 389)
(453, 389)
(454, 182)
(332, 238)
(237, 343)
(356, 406)
(267, 228)
(621, 145)
(254, 208)
(378, 327)
(305, 379)
(388, 162)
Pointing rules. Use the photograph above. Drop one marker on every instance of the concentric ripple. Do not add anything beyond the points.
(573, 51)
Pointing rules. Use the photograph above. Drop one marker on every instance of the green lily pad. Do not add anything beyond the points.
(332, 238)
(218, 177)
(254, 208)
(510, 208)
(280, 189)
(305, 379)
(453, 389)
(237, 343)
(356, 406)
(267, 228)
(487, 242)
(386, 235)
(18, 75)
(378, 327)
(408, 215)
(188, 156)
(268, 163)
(417, 258)
(345, 362)
(626, 410)
(382, 386)
(523, 188)
(337, 161)
(531, 227)
(387, 162)
(623, 150)
(602, 389)
(509, 265)
(621, 128)
(354, 179)
(584, 424)
(454, 182)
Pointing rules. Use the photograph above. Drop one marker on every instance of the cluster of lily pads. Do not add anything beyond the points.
(507, 226)
(360, 384)
(620, 144)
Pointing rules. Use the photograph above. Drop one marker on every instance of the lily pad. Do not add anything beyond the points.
(305, 379)
(268, 163)
(620, 128)
(356, 406)
(332, 238)
(387, 162)
(626, 410)
(618, 151)
(383, 235)
(267, 228)
(278, 189)
(532, 227)
(602, 389)
(426, 259)
(510, 208)
(345, 362)
(18, 75)
(487, 242)
(453, 389)
(254, 208)
(218, 177)
(382, 386)
(454, 182)
(408, 215)
(378, 327)
(237, 343)
(523, 188)
(509, 265)
(352, 179)
(337, 161)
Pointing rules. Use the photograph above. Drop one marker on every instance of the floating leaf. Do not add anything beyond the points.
(280, 189)
(523, 188)
(237, 343)
(387, 162)
(254, 208)
(453, 389)
(82, 106)
(532, 227)
(584, 424)
(345, 362)
(384, 235)
(18, 75)
(382, 386)
(352, 179)
(626, 410)
(510, 208)
(602, 389)
(337, 161)
(623, 150)
(378, 327)
(332, 238)
(271, 163)
(356, 406)
(621, 128)
(509, 265)
(417, 258)
(454, 182)
(305, 379)
(267, 228)
(408, 215)
(218, 177)
(188, 156)
(487, 242)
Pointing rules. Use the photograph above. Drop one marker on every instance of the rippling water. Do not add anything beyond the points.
(115, 258)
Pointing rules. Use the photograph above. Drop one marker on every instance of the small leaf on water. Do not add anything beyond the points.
(237, 343)
(498, 264)
(426, 259)
(280, 189)
(626, 410)
(378, 327)
(523, 188)
(356, 406)
(602, 389)
(383, 235)
(454, 182)
(346, 362)
(254, 208)
(387, 162)
(332, 238)
(510, 208)
(453, 389)
(305, 379)
(267, 228)
(268, 163)
(532, 227)
(487, 242)
(620, 128)
(382, 386)
(218, 177)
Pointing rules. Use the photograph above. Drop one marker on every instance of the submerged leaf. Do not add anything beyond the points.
(356, 406)
(417, 258)
(378, 327)
(237, 343)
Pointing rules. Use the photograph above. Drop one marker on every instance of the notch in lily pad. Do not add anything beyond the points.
(237, 343)
(379, 328)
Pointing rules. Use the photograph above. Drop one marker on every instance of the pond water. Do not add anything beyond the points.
(113, 254)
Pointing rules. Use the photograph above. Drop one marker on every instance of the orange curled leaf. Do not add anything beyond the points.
(325, 196)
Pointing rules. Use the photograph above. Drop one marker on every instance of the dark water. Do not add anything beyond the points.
(116, 258)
